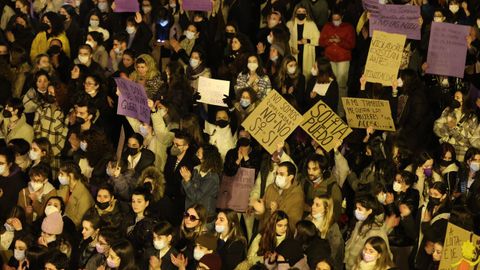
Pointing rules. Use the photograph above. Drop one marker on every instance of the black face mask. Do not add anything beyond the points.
(229, 35)
(148, 186)
(50, 99)
(446, 163)
(455, 104)
(434, 201)
(7, 113)
(301, 17)
(54, 49)
(79, 121)
(44, 27)
(222, 123)
(131, 151)
(103, 205)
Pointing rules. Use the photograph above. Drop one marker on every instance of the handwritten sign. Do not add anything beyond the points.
(133, 100)
(363, 112)
(212, 91)
(459, 246)
(371, 6)
(324, 126)
(398, 19)
(447, 50)
(126, 6)
(235, 190)
(197, 5)
(384, 57)
(272, 121)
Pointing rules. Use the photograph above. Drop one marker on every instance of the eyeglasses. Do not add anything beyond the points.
(192, 218)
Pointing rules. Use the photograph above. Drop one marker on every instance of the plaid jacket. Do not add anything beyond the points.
(50, 123)
(262, 85)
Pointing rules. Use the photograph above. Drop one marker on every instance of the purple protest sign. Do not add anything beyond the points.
(197, 5)
(126, 6)
(447, 49)
(397, 19)
(234, 191)
(132, 101)
(371, 6)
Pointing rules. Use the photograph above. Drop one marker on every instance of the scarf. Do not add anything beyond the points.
(193, 73)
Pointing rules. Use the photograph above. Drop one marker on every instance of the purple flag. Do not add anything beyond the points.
(133, 100)
(197, 5)
(126, 6)
(397, 19)
(447, 49)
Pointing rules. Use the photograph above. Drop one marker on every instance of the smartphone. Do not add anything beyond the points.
(162, 29)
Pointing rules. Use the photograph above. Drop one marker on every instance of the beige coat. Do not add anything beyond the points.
(21, 130)
(311, 32)
(76, 203)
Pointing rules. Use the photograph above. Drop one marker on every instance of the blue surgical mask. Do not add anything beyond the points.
(244, 102)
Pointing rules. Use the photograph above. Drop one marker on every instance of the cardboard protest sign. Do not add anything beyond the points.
(460, 249)
(324, 126)
(447, 50)
(212, 91)
(371, 6)
(133, 101)
(363, 112)
(398, 19)
(126, 6)
(234, 191)
(197, 5)
(272, 121)
(384, 57)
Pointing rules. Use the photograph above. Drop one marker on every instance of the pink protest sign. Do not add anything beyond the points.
(197, 5)
(126, 6)
(132, 101)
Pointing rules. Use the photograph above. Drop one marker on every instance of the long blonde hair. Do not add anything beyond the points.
(328, 220)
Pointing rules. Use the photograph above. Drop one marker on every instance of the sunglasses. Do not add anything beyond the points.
(191, 217)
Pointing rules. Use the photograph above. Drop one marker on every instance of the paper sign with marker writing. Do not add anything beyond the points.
(272, 121)
(384, 57)
(197, 5)
(363, 112)
(126, 6)
(398, 19)
(234, 191)
(324, 126)
(460, 249)
(133, 101)
(447, 50)
(212, 91)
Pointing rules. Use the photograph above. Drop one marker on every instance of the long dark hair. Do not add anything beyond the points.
(97, 145)
(126, 253)
(260, 71)
(269, 240)
(211, 161)
(56, 23)
(369, 202)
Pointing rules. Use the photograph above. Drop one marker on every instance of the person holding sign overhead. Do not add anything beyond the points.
(322, 85)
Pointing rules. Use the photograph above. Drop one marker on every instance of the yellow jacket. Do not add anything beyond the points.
(40, 44)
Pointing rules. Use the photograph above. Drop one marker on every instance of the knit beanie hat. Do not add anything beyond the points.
(212, 260)
(53, 224)
(291, 250)
(207, 240)
(279, 47)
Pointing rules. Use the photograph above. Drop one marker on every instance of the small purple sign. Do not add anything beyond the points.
(132, 101)
(197, 5)
(447, 49)
(126, 6)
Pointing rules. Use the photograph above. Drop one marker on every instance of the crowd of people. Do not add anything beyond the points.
(82, 187)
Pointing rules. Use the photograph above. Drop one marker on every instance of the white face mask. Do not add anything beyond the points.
(397, 187)
(474, 166)
(194, 63)
(337, 22)
(130, 29)
(314, 71)
(318, 216)
(280, 181)
(50, 209)
(83, 146)
(2, 169)
(83, 59)
(252, 66)
(399, 82)
(94, 23)
(360, 216)
(35, 186)
(19, 254)
(103, 7)
(198, 254)
(219, 228)
(143, 130)
(33, 155)
(269, 39)
(159, 244)
(190, 35)
(454, 8)
(291, 70)
(63, 180)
